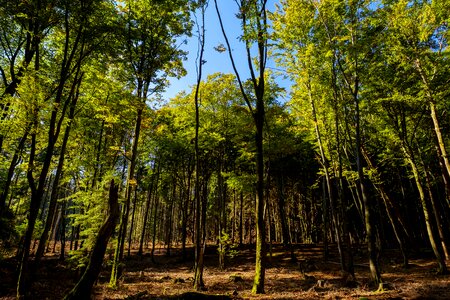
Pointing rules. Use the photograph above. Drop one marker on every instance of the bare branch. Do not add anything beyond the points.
(241, 86)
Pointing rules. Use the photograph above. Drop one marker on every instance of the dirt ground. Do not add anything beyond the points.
(169, 276)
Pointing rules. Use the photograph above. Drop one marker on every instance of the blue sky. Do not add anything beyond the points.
(215, 61)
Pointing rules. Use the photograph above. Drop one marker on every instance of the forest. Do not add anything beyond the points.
(335, 187)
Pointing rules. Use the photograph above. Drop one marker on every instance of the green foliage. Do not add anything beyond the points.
(89, 209)
(227, 248)
(148, 38)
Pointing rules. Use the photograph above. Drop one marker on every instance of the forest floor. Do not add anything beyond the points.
(168, 276)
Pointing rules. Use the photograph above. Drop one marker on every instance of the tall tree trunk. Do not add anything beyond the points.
(442, 268)
(155, 221)
(145, 220)
(54, 228)
(118, 254)
(368, 219)
(62, 253)
(285, 234)
(198, 273)
(432, 104)
(130, 235)
(437, 216)
(329, 186)
(233, 228)
(59, 170)
(184, 215)
(241, 218)
(282, 212)
(147, 209)
(389, 205)
(169, 221)
(260, 268)
(445, 176)
(54, 125)
(7, 184)
(222, 228)
(259, 23)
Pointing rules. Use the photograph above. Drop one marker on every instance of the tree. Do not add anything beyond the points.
(336, 41)
(150, 55)
(253, 17)
(76, 33)
(200, 222)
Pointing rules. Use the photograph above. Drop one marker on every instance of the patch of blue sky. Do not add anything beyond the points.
(215, 61)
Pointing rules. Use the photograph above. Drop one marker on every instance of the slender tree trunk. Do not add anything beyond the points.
(54, 125)
(366, 200)
(144, 222)
(222, 204)
(388, 203)
(259, 21)
(434, 117)
(233, 228)
(241, 218)
(147, 209)
(23, 282)
(155, 221)
(52, 231)
(7, 184)
(437, 217)
(445, 175)
(222, 228)
(184, 216)
(62, 253)
(132, 223)
(169, 222)
(442, 151)
(77, 237)
(118, 255)
(260, 268)
(204, 205)
(59, 170)
(282, 212)
(329, 186)
(198, 276)
(55, 227)
(369, 224)
(286, 237)
(442, 268)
